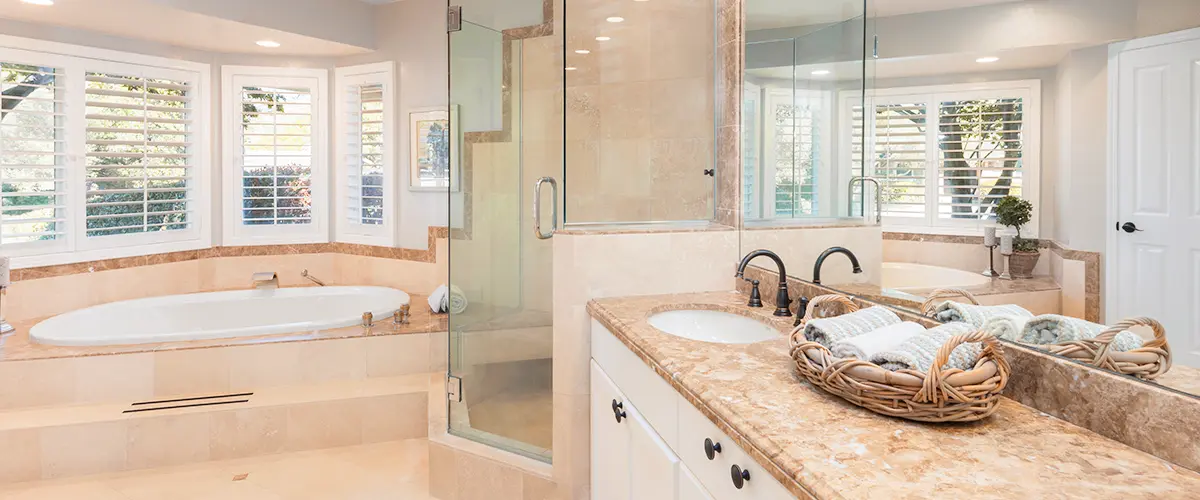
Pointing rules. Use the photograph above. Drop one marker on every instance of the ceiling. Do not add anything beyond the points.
(929, 65)
(153, 21)
(768, 14)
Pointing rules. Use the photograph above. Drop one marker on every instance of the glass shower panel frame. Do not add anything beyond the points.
(500, 344)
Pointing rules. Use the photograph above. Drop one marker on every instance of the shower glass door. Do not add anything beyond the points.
(500, 342)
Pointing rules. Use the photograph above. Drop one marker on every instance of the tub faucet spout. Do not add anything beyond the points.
(265, 281)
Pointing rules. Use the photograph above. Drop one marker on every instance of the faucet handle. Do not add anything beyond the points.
(755, 296)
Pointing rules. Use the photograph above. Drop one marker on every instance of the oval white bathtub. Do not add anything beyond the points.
(216, 315)
(906, 276)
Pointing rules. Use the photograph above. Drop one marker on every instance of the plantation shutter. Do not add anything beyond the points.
(793, 142)
(32, 154)
(365, 155)
(140, 170)
(980, 155)
(276, 155)
(897, 155)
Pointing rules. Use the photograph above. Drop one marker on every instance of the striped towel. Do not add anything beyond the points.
(919, 352)
(829, 331)
(950, 312)
(1056, 329)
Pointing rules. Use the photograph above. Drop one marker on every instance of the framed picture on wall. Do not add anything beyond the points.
(433, 149)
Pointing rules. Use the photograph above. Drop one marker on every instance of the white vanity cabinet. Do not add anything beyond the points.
(649, 443)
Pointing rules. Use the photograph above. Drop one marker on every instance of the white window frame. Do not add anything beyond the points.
(233, 231)
(76, 61)
(346, 230)
(823, 192)
(1030, 93)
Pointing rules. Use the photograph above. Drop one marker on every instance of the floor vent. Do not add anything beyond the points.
(171, 404)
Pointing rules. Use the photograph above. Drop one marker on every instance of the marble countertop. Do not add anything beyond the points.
(819, 445)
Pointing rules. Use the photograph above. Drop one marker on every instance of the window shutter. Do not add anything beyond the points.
(139, 160)
(276, 155)
(796, 156)
(365, 155)
(898, 156)
(32, 154)
(980, 156)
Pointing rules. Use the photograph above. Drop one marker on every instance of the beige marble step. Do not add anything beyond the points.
(66, 441)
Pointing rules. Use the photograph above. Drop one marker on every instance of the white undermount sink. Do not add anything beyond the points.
(713, 326)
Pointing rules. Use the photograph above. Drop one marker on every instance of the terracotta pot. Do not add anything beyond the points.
(1021, 264)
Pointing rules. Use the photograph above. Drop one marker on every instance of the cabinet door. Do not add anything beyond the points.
(610, 440)
(689, 486)
(653, 466)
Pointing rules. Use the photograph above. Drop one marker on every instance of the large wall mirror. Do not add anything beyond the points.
(1084, 112)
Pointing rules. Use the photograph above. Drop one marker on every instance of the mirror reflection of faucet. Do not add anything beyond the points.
(825, 255)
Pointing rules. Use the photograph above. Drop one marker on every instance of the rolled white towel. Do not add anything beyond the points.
(883, 339)
(1056, 329)
(829, 331)
(457, 301)
(1005, 326)
(950, 311)
(919, 352)
(437, 299)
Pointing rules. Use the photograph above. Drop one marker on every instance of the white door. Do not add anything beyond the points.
(690, 487)
(652, 464)
(1158, 189)
(610, 440)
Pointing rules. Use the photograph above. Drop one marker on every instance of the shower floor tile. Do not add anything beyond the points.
(396, 470)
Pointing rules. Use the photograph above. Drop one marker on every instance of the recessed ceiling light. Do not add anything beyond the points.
(615, 19)
(583, 51)
(39, 2)
(988, 59)
(270, 44)
(570, 68)
(820, 72)
(603, 38)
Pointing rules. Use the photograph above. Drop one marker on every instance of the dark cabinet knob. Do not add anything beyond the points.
(1129, 227)
(711, 449)
(618, 410)
(739, 475)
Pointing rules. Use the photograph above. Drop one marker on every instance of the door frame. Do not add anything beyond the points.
(1111, 252)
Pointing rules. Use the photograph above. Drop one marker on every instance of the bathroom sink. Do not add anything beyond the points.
(713, 326)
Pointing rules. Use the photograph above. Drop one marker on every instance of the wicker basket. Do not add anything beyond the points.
(1147, 362)
(938, 396)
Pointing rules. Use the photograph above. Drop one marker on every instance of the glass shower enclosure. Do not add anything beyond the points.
(500, 267)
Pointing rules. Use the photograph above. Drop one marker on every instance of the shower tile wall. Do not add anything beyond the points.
(639, 111)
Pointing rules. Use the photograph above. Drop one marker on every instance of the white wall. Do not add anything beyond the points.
(1081, 187)
(342, 21)
(412, 33)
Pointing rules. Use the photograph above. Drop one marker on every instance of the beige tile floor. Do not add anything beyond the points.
(396, 470)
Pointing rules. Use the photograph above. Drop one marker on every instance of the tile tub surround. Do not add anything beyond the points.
(428, 255)
(1100, 401)
(822, 447)
(967, 253)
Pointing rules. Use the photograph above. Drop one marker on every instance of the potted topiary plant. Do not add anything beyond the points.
(1015, 212)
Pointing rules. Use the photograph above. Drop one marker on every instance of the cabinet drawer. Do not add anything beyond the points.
(716, 475)
(655, 399)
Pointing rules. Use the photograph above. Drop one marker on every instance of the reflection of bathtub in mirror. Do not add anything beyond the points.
(904, 276)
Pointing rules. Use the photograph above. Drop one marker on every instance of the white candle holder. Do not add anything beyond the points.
(1006, 275)
(5, 328)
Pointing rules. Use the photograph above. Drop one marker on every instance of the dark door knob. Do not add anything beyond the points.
(711, 449)
(1129, 227)
(740, 476)
(618, 410)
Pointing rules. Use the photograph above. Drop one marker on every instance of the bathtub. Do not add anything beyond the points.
(905, 276)
(216, 315)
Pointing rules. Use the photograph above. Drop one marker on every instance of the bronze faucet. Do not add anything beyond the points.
(782, 301)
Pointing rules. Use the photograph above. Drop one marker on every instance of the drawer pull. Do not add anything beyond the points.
(711, 449)
(740, 476)
(618, 410)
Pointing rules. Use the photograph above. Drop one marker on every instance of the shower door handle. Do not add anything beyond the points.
(537, 208)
